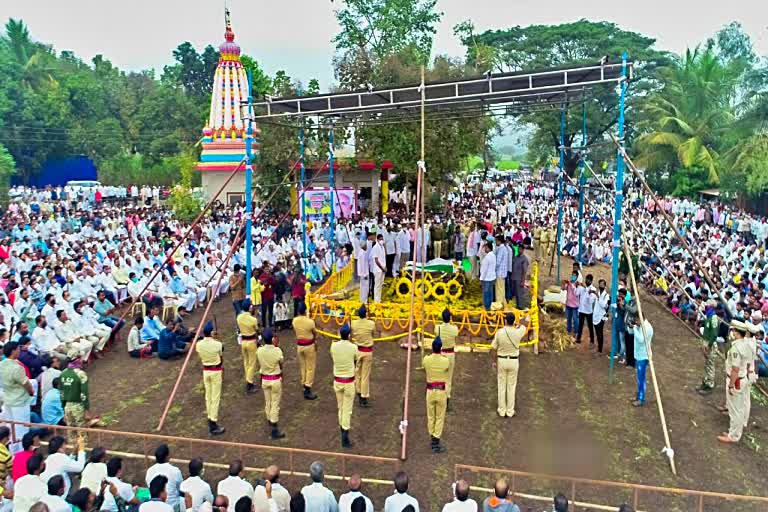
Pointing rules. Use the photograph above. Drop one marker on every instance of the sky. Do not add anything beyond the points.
(295, 35)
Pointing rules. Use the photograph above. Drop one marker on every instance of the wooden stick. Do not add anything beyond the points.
(668, 447)
(417, 212)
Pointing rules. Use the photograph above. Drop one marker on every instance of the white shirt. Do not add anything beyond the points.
(56, 503)
(62, 464)
(345, 501)
(280, 502)
(124, 491)
(488, 267)
(319, 498)
(26, 492)
(199, 490)
(397, 502)
(601, 307)
(377, 253)
(586, 299)
(234, 488)
(469, 505)
(173, 474)
(155, 506)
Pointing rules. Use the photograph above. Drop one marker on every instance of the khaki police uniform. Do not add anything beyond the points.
(306, 350)
(506, 343)
(551, 238)
(247, 324)
(448, 334)
(436, 368)
(271, 367)
(540, 241)
(345, 355)
(209, 350)
(362, 336)
(736, 399)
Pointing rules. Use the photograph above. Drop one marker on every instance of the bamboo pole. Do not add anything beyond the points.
(235, 245)
(417, 211)
(667, 445)
(179, 243)
(671, 224)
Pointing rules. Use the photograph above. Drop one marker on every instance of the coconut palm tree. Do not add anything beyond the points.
(683, 123)
(34, 61)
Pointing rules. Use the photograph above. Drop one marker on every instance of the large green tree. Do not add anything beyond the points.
(538, 47)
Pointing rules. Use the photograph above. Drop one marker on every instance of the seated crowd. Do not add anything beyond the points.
(51, 480)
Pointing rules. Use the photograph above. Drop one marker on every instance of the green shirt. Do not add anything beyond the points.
(711, 326)
(102, 307)
(74, 387)
(12, 378)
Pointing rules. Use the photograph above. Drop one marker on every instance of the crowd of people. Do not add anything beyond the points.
(69, 263)
(50, 479)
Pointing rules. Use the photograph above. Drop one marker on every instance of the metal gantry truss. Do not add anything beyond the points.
(520, 90)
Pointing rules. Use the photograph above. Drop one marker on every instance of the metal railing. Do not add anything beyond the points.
(135, 445)
(583, 493)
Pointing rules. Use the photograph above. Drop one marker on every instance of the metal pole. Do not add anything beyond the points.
(619, 203)
(332, 186)
(582, 180)
(249, 190)
(301, 187)
(561, 184)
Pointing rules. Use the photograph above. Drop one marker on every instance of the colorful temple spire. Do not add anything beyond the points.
(224, 135)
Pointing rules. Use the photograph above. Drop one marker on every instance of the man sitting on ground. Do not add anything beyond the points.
(169, 346)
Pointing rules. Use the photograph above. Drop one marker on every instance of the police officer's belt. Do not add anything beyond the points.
(344, 380)
(272, 377)
(447, 351)
(435, 385)
(508, 357)
(212, 368)
(304, 342)
(365, 349)
(253, 337)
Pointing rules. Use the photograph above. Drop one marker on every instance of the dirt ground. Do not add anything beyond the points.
(572, 419)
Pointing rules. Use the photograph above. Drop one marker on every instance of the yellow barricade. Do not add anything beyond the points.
(392, 315)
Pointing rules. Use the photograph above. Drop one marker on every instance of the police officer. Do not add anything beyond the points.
(362, 336)
(551, 238)
(270, 358)
(210, 352)
(248, 324)
(306, 349)
(710, 332)
(737, 385)
(505, 351)
(448, 334)
(344, 354)
(540, 240)
(436, 367)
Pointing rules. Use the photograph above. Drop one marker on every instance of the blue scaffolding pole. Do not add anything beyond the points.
(249, 190)
(582, 180)
(302, 177)
(617, 217)
(332, 187)
(560, 186)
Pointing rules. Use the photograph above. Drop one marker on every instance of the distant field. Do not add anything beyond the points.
(476, 163)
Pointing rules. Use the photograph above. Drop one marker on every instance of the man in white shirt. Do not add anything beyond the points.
(280, 495)
(318, 497)
(54, 499)
(461, 500)
(363, 270)
(488, 275)
(345, 500)
(378, 267)
(158, 492)
(124, 490)
(171, 473)
(59, 463)
(29, 489)
(198, 489)
(587, 296)
(234, 486)
(401, 499)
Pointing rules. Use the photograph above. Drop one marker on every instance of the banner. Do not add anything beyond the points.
(317, 202)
